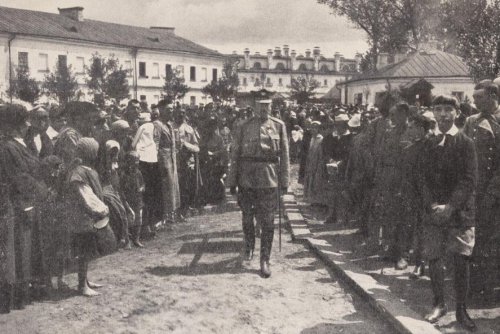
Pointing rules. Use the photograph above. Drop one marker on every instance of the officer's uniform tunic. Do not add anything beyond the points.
(259, 159)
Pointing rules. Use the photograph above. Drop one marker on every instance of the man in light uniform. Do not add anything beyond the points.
(259, 165)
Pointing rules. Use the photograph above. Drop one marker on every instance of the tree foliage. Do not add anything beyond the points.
(390, 25)
(24, 87)
(471, 29)
(302, 88)
(107, 80)
(174, 87)
(61, 84)
(225, 88)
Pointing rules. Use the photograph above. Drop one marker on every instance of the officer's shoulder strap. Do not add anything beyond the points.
(277, 120)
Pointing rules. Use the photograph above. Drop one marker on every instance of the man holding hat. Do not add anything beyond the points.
(259, 165)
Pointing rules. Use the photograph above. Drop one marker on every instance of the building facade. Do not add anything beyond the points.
(39, 40)
(275, 70)
(446, 73)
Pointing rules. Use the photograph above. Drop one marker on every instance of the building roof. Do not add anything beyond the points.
(420, 64)
(49, 25)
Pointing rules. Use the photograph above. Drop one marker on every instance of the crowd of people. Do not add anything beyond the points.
(420, 182)
(79, 181)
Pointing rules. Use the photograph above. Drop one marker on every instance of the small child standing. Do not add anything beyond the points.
(132, 184)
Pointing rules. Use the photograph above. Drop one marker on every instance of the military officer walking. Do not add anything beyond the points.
(259, 165)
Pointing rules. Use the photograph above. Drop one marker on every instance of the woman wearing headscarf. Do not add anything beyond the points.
(315, 177)
(86, 213)
(22, 180)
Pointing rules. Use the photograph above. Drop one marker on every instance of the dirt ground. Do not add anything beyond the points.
(192, 280)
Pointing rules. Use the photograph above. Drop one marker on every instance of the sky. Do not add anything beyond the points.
(227, 25)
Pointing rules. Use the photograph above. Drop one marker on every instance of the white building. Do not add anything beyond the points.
(275, 70)
(446, 73)
(38, 40)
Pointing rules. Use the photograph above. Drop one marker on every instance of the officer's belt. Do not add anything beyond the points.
(259, 159)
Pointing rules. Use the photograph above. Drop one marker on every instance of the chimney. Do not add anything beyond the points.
(169, 30)
(337, 61)
(286, 50)
(277, 51)
(74, 13)
(358, 57)
(308, 53)
(293, 63)
(246, 54)
(316, 51)
(269, 58)
(382, 60)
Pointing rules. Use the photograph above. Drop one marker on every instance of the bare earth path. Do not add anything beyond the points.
(192, 280)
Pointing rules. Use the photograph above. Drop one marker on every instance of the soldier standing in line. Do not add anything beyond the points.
(259, 165)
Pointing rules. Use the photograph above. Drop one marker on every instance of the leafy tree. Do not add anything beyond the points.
(174, 87)
(226, 87)
(107, 80)
(471, 29)
(61, 84)
(302, 88)
(24, 87)
(390, 25)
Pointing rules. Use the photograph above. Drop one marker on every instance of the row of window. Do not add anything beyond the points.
(43, 62)
(268, 81)
(156, 99)
(302, 67)
(79, 67)
(169, 71)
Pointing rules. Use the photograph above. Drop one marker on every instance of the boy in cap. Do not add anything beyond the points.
(450, 179)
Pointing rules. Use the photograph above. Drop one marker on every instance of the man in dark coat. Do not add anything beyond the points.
(450, 179)
(26, 193)
(484, 129)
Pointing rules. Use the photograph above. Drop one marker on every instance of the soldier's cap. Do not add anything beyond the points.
(341, 118)
(264, 101)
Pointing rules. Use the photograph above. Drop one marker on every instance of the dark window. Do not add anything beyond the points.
(302, 67)
(244, 81)
(280, 82)
(192, 73)
(23, 60)
(257, 65)
(324, 68)
(325, 83)
(193, 100)
(142, 97)
(214, 74)
(62, 60)
(142, 69)
(168, 71)
(280, 66)
(268, 81)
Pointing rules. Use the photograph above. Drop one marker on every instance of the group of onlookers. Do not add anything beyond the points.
(419, 181)
(77, 182)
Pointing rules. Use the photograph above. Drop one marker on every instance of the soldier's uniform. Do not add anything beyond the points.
(259, 157)
(484, 130)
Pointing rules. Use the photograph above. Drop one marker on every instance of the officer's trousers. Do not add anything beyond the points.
(261, 204)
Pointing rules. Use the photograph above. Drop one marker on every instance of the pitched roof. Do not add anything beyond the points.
(34, 23)
(420, 64)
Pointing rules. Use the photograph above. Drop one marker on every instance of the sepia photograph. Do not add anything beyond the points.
(249, 166)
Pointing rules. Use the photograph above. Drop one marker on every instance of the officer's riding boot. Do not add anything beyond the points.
(5, 298)
(136, 236)
(265, 250)
(462, 277)
(436, 272)
(490, 279)
(249, 236)
(20, 296)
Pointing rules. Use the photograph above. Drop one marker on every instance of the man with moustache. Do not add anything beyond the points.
(259, 165)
